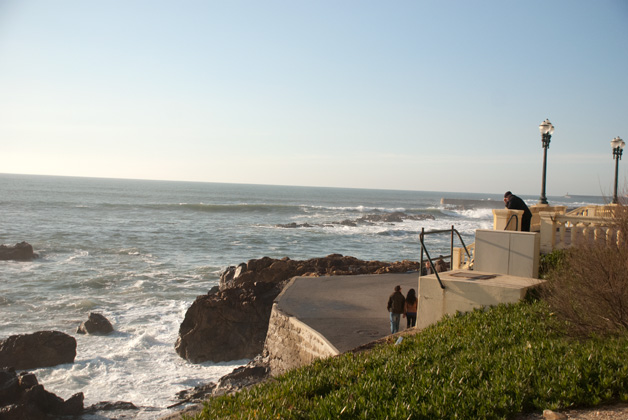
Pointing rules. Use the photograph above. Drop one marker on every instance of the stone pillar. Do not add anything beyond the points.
(501, 217)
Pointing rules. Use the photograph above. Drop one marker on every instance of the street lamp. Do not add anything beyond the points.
(618, 145)
(547, 129)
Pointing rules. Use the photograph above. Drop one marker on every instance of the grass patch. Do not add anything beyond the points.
(485, 364)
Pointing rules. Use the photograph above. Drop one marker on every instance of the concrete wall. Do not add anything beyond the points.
(507, 252)
(290, 343)
(469, 291)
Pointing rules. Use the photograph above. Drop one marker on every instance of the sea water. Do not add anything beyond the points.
(139, 252)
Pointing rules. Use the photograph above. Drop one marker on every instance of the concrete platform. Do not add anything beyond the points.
(466, 290)
(348, 311)
(318, 317)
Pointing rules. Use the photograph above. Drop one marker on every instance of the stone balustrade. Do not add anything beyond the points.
(460, 260)
(560, 231)
(535, 222)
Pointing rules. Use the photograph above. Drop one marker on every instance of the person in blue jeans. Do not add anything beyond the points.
(396, 305)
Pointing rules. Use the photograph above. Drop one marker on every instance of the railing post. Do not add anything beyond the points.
(548, 232)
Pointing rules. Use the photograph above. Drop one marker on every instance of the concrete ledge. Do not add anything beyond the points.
(465, 291)
(290, 343)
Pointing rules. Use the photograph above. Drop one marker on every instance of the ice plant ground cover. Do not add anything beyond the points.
(487, 364)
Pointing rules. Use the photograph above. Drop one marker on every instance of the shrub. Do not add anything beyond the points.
(481, 365)
(589, 289)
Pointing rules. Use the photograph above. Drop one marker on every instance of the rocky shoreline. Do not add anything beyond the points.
(228, 323)
(238, 311)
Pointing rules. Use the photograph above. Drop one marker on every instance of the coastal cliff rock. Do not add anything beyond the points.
(40, 349)
(96, 324)
(231, 323)
(18, 252)
(22, 397)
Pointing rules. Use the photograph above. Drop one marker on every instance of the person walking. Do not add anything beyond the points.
(396, 305)
(410, 308)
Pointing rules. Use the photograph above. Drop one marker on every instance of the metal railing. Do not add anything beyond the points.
(514, 216)
(450, 256)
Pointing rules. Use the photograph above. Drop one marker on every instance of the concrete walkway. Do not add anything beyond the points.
(349, 311)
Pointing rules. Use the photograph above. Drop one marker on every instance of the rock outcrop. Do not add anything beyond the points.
(18, 252)
(22, 397)
(40, 349)
(369, 219)
(96, 324)
(231, 323)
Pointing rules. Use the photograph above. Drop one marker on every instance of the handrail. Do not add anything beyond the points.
(516, 217)
(424, 249)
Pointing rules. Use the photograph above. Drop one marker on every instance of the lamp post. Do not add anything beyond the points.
(547, 129)
(618, 145)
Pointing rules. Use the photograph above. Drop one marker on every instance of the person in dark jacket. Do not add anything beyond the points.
(396, 307)
(515, 203)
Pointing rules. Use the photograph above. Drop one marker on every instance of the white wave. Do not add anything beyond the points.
(358, 209)
(470, 213)
(77, 254)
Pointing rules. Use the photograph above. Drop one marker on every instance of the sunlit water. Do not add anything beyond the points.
(139, 252)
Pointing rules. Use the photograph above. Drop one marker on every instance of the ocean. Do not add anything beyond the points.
(139, 252)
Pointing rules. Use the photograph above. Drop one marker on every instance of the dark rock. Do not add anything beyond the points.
(73, 406)
(231, 324)
(22, 412)
(23, 398)
(228, 325)
(40, 349)
(96, 324)
(240, 378)
(27, 380)
(9, 386)
(294, 225)
(110, 406)
(18, 252)
(256, 371)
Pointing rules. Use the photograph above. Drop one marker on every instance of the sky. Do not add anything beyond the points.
(429, 95)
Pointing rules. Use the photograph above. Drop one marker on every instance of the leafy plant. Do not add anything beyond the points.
(485, 364)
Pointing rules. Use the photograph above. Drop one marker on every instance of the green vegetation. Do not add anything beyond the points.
(485, 364)
(549, 262)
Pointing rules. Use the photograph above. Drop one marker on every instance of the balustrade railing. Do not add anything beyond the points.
(460, 260)
(560, 231)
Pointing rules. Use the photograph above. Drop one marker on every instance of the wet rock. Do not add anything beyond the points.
(22, 397)
(40, 349)
(22, 251)
(256, 371)
(110, 406)
(96, 324)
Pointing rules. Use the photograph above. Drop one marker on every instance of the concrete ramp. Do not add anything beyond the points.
(318, 317)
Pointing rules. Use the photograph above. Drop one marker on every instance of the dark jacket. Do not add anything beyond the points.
(396, 303)
(516, 203)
